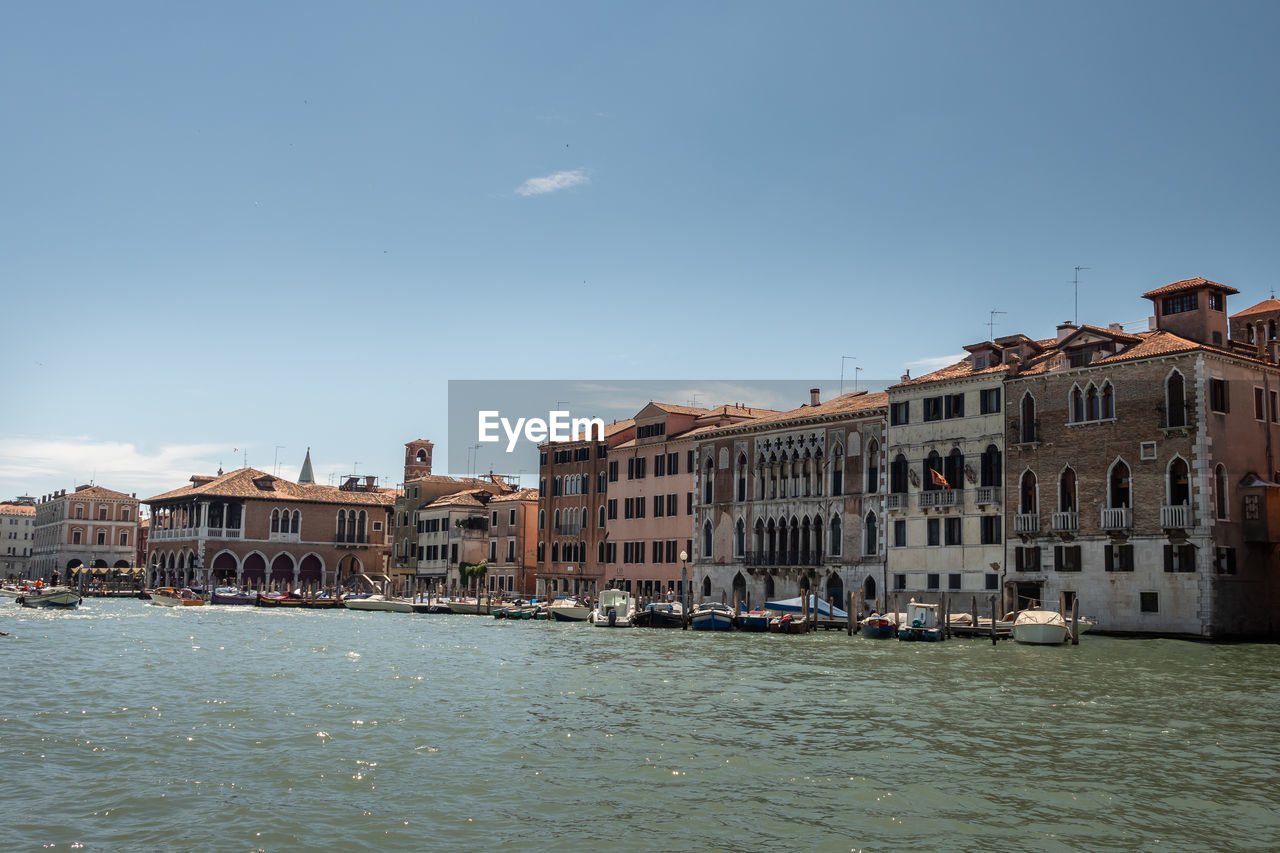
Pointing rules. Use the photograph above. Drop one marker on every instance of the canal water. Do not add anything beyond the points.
(129, 726)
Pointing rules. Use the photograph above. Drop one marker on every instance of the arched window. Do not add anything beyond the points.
(708, 477)
(362, 528)
(275, 521)
(542, 519)
(769, 591)
(1094, 404)
(1027, 426)
(555, 552)
(557, 521)
(740, 539)
(1077, 405)
(1220, 492)
(873, 467)
(76, 536)
(932, 466)
(1067, 490)
(342, 525)
(1175, 400)
(991, 473)
(1118, 493)
(1248, 333)
(586, 519)
(600, 552)
(600, 518)
(837, 471)
(542, 551)
(836, 536)
(869, 544)
(1108, 401)
(296, 522)
(706, 540)
(953, 469)
(1179, 483)
(1027, 504)
(421, 456)
(742, 477)
(898, 475)
(706, 587)
(600, 483)
(1271, 330)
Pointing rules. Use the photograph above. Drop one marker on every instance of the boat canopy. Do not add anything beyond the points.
(792, 605)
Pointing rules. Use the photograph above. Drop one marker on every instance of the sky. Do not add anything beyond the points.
(233, 231)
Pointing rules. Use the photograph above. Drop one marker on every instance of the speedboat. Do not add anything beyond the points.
(617, 609)
(167, 596)
(921, 623)
(711, 616)
(1040, 628)
(470, 606)
(569, 609)
(660, 614)
(49, 596)
(379, 602)
(752, 620)
(879, 626)
(231, 595)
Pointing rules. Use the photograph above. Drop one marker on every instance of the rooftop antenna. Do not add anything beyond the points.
(843, 359)
(1076, 282)
(991, 325)
(275, 467)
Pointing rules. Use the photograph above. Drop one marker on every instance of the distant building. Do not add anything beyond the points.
(249, 527)
(513, 543)
(17, 536)
(91, 527)
(453, 534)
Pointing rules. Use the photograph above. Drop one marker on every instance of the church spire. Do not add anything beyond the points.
(306, 478)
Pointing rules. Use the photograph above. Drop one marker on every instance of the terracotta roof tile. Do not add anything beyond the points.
(467, 499)
(17, 509)
(1266, 306)
(242, 483)
(521, 495)
(960, 370)
(100, 493)
(1185, 285)
(847, 404)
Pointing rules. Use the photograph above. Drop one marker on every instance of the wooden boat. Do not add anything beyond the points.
(379, 603)
(1040, 628)
(167, 596)
(62, 597)
(921, 623)
(470, 606)
(879, 626)
(660, 614)
(617, 609)
(569, 609)
(232, 595)
(752, 620)
(788, 623)
(711, 616)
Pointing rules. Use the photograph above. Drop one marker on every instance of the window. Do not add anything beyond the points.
(542, 518)
(993, 581)
(1067, 490)
(953, 580)
(931, 580)
(1180, 558)
(1026, 558)
(1066, 558)
(1175, 399)
(933, 529)
(1220, 503)
(613, 471)
(706, 539)
(836, 535)
(953, 531)
(991, 533)
(899, 582)
(1179, 483)
(1027, 502)
(953, 406)
(933, 408)
(631, 468)
(688, 504)
(102, 537)
(1118, 558)
(1224, 560)
(611, 507)
(873, 467)
(900, 533)
(1118, 486)
(932, 472)
(991, 467)
(659, 504)
(899, 414)
(739, 539)
(1180, 303)
(124, 537)
(1259, 405)
(511, 550)
(898, 475)
(511, 517)
(837, 473)
(1215, 301)
(1027, 432)
(102, 513)
(494, 518)
(672, 507)
(1149, 602)
(869, 543)
(600, 517)
(493, 550)
(1219, 398)
(660, 465)
(989, 401)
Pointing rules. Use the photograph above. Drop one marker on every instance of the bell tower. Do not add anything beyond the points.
(417, 459)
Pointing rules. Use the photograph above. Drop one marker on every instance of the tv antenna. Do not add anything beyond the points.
(991, 324)
(843, 359)
(1076, 282)
(275, 468)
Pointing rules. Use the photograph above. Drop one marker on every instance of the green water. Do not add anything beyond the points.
(129, 726)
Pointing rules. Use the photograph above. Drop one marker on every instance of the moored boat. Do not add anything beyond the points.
(1040, 628)
(788, 623)
(711, 616)
(879, 626)
(920, 623)
(660, 614)
(752, 620)
(817, 607)
(167, 596)
(379, 603)
(232, 595)
(569, 609)
(49, 596)
(617, 609)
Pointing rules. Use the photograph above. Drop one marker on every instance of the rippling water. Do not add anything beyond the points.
(124, 725)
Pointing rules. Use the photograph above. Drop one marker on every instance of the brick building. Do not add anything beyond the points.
(94, 527)
(513, 543)
(790, 501)
(252, 528)
(1135, 463)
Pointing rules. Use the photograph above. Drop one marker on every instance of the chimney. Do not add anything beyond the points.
(1115, 327)
(369, 481)
(813, 396)
(1014, 363)
(907, 376)
(1065, 328)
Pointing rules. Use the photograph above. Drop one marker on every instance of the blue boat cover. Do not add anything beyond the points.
(792, 605)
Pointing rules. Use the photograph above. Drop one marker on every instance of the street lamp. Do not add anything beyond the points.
(684, 581)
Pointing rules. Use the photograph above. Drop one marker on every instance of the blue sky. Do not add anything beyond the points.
(289, 224)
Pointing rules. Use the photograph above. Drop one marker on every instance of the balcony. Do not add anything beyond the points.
(810, 557)
(1026, 522)
(896, 501)
(348, 539)
(1117, 518)
(276, 536)
(1066, 522)
(988, 495)
(939, 498)
(1177, 517)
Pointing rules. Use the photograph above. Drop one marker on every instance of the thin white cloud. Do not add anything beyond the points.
(551, 183)
(934, 362)
(38, 466)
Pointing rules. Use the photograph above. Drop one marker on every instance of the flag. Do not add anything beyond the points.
(938, 479)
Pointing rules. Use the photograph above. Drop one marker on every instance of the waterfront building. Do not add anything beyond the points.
(572, 491)
(92, 527)
(144, 536)
(17, 536)
(792, 501)
(945, 451)
(252, 528)
(648, 511)
(512, 561)
(1141, 473)
(452, 535)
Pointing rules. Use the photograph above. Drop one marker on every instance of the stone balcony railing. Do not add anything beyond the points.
(988, 495)
(1066, 522)
(1026, 522)
(1117, 518)
(896, 501)
(939, 498)
(168, 535)
(1177, 517)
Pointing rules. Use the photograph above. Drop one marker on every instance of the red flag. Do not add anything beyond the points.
(938, 479)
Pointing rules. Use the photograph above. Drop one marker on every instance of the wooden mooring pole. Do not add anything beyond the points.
(1075, 620)
(993, 620)
(848, 613)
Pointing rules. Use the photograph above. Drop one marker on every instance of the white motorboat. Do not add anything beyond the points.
(617, 609)
(49, 596)
(1040, 628)
(167, 596)
(569, 610)
(383, 603)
